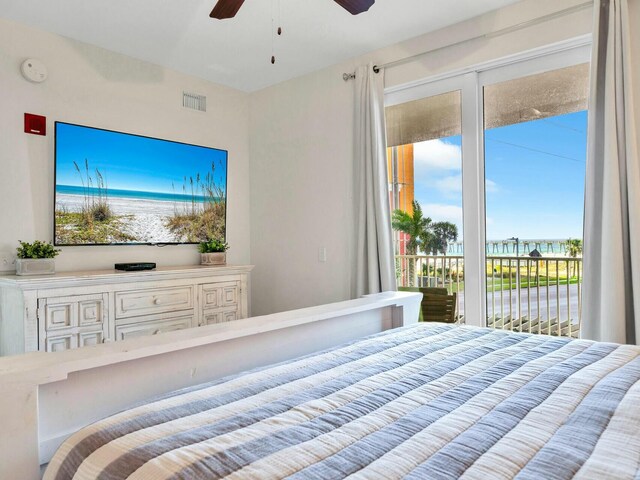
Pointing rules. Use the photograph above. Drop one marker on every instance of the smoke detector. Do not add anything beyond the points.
(34, 70)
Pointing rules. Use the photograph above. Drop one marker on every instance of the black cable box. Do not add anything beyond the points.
(135, 267)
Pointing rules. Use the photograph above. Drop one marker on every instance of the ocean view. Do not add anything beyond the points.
(132, 194)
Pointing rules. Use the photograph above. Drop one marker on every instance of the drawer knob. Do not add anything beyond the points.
(157, 301)
(156, 332)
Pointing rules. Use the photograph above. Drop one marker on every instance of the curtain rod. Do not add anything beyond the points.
(503, 31)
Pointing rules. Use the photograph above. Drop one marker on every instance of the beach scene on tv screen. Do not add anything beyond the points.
(115, 188)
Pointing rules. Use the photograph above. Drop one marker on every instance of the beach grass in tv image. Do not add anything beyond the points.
(117, 188)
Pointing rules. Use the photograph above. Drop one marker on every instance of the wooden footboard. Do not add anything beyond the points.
(45, 397)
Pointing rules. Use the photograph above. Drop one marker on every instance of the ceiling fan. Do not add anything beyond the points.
(229, 8)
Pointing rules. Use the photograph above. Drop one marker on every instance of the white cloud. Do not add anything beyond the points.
(451, 186)
(491, 186)
(436, 154)
(439, 212)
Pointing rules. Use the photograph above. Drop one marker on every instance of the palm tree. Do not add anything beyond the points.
(439, 236)
(574, 246)
(423, 234)
(415, 226)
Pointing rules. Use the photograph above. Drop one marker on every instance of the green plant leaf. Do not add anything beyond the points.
(213, 245)
(37, 249)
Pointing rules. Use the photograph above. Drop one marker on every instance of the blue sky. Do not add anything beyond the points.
(129, 162)
(534, 178)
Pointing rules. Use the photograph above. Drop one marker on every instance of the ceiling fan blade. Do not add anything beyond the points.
(226, 9)
(354, 7)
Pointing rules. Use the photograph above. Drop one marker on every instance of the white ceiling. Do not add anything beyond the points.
(180, 35)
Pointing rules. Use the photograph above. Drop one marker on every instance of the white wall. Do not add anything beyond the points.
(91, 86)
(302, 143)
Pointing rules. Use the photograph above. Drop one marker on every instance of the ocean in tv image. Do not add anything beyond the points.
(116, 188)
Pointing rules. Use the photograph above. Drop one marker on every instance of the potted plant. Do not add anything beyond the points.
(213, 252)
(37, 258)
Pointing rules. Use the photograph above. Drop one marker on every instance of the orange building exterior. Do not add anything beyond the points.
(401, 185)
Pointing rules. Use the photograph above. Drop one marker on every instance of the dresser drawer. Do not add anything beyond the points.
(147, 302)
(156, 327)
(220, 295)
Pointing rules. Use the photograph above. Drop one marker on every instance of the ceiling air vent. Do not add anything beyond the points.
(194, 101)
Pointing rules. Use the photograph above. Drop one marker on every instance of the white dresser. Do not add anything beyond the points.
(76, 309)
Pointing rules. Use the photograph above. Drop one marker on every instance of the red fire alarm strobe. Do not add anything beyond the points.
(35, 124)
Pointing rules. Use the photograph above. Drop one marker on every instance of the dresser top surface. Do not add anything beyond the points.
(117, 276)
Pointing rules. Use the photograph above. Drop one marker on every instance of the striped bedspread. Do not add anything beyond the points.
(422, 402)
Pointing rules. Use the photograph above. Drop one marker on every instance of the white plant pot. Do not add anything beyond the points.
(35, 266)
(215, 258)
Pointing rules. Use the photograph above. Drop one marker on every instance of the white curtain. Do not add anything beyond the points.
(611, 290)
(374, 260)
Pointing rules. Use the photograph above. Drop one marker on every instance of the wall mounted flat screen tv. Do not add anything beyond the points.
(115, 188)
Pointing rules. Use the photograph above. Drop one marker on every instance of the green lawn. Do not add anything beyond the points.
(499, 284)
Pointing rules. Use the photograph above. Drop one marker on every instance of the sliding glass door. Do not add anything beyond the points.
(495, 159)
(424, 138)
(535, 140)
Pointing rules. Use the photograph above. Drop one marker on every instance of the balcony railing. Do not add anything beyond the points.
(433, 271)
(533, 295)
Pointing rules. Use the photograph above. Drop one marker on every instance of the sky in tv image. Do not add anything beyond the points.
(131, 162)
(114, 188)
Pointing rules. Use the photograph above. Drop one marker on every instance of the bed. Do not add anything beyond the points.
(427, 401)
